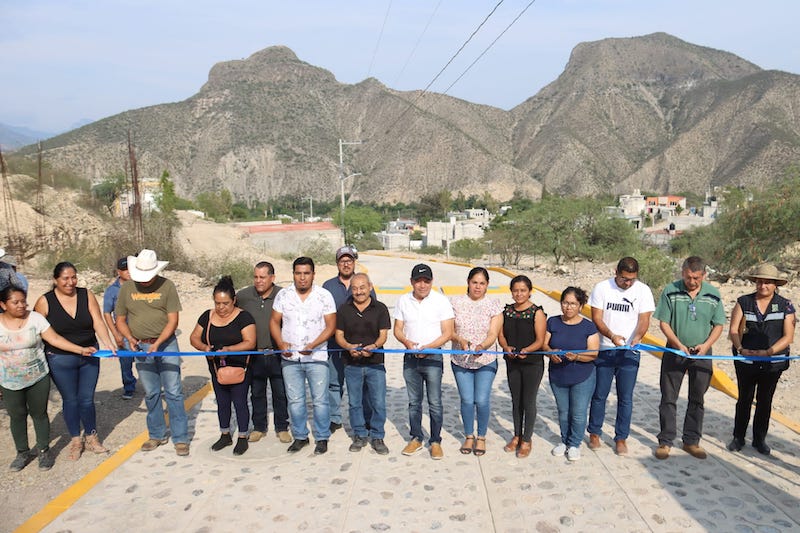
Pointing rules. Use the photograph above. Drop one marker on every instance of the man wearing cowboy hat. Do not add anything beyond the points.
(762, 325)
(147, 316)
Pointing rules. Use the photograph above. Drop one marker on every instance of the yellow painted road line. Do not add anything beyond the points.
(66, 499)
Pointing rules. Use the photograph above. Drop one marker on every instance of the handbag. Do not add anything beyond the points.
(227, 375)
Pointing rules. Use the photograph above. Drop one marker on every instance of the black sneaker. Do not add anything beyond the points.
(46, 459)
(223, 441)
(736, 444)
(334, 426)
(241, 446)
(380, 447)
(297, 445)
(358, 443)
(21, 461)
(321, 447)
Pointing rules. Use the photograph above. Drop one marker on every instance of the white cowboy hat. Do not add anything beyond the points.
(2, 252)
(145, 266)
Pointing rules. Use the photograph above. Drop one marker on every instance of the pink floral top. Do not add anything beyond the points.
(22, 359)
(473, 318)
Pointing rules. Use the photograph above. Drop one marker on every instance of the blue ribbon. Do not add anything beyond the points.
(442, 351)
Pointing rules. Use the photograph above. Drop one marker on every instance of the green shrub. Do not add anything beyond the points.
(431, 250)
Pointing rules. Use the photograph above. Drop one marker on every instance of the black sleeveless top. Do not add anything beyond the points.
(519, 331)
(79, 330)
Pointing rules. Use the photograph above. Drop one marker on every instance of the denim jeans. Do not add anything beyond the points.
(126, 370)
(76, 379)
(295, 375)
(573, 409)
(474, 387)
(367, 382)
(156, 372)
(267, 368)
(420, 374)
(336, 384)
(624, 366)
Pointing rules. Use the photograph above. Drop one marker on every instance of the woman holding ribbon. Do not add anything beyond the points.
(572, 371)
(523, 332)
(24, 378)
(762, 326)
(227, 328)
(477, 325)
(74, 313)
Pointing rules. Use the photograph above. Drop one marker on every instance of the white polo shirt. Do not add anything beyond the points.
(422, 320)
(304, 320)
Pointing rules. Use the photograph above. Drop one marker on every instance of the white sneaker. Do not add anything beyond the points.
(573, 454)
(559, 450)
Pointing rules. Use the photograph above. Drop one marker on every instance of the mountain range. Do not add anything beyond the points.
(651, 112)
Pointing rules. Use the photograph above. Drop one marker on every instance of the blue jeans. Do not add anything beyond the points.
(295, 375)
(126, 370)
(474, 387)
(76, 379)
(367, 382)
(422, 374)
(624, 366)
(156, 372)
(573, 407)
(336, 384)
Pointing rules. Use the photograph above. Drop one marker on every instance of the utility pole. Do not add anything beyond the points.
(342, 177)
(310, 205)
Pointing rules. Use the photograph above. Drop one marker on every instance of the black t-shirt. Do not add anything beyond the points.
(519, 331)
(363, 327)
(227, 335)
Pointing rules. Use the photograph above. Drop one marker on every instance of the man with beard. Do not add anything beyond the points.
(303, 319)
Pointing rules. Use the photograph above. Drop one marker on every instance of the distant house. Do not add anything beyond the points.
(665, 205)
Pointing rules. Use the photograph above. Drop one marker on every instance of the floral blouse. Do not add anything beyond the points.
(22, 359)
(473, 318)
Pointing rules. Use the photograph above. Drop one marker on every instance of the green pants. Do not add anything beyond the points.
(31, 401)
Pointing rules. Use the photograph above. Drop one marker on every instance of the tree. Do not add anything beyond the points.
(216, 205)
(467, 249)
(359, 221)
(166, 199)
(109, 190)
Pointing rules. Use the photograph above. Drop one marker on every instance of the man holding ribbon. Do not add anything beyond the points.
(692, 315)
(621, 310)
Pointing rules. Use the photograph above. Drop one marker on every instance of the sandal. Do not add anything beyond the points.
(469, 442)
(480, 446)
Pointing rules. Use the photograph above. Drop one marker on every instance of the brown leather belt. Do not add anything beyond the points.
(149, 341)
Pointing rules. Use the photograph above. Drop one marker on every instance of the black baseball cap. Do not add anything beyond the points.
(421, 271)
(122, 263)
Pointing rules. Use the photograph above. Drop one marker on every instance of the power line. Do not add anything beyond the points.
(380, 37)
(425, 90)
(416, 45)
(488, 47)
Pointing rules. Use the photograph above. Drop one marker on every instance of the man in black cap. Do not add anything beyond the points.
(423, 319)
(109, 301)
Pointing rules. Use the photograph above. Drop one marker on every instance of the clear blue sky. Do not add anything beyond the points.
(64, 61)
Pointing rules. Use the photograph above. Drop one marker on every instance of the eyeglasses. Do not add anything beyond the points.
(692, 311)
(570, 304)
(345, 261)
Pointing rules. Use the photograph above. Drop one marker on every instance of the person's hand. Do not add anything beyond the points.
(307, 350)
(555, 358)
(120, 340)
(522, 355)
(509, 351)
(88, 351)
(152, 348)
(356, 352)
(618, 340)
(570, 356)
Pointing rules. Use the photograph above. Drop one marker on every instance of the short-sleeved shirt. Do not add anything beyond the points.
(691, 319)
(341, 294)
(473, 318)
(519, 329)
(22, 359)
(227, 335)
(422, 320)
(261, 311)
(304, 320)
(146, 308)
(111, 295)
(570, 337)
(621, 307)
(362, 327)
